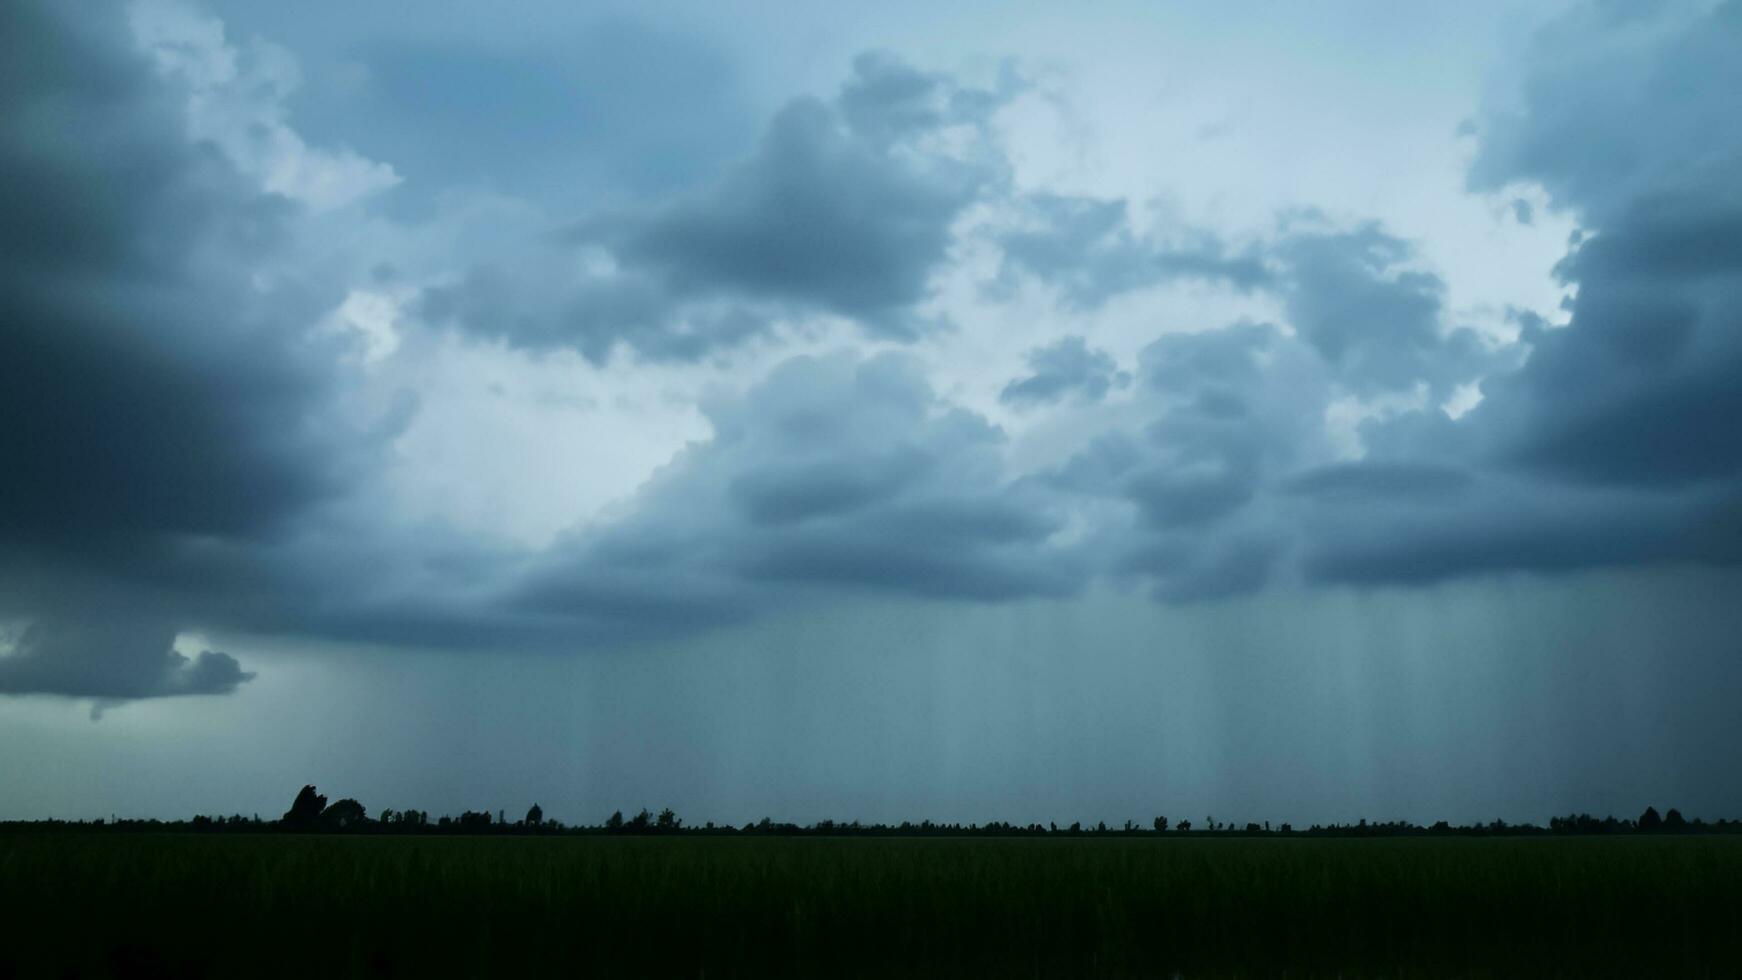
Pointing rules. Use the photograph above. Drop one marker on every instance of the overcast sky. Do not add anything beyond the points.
(975, 411)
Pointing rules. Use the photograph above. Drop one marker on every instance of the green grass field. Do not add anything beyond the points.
(169, 905)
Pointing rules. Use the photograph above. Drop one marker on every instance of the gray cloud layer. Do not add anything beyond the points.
(1614, 443)
(147, 393)
(161, 412)
(112, 663)
(1067, 367)
(170, 432)
(845, 208)
(833, 473)
(1086, 249)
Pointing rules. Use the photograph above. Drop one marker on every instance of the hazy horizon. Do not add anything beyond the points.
(819, 412)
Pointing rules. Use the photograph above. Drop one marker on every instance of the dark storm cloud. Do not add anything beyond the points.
(1183, 500)
(169, 426)
(1629, 128)
(1640, 387)
(1616, 442)
(1352, 296)
(112, 662)
(132, 363)
(1621, 103)
(1086, 249)
(1505, 527)
(821, 216)
(541, 303)
(833, 473)
(1065, 368)
(1604, 443)
(844, 208)
(158, 411)
(1380, 480)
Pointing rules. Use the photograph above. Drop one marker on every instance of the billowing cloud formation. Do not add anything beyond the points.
(1380, 324)
(162, 406)
(112, 662)
(1180, 488)
(845, 209)
(1068, 367)
(1614, 443)
(236, 101)
(835, 473)
(187, 446)
(1625, 128)
(146, 393)
(1086, 248)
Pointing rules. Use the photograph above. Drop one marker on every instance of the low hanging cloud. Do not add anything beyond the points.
(112, 662)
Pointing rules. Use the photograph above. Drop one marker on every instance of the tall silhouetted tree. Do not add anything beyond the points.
(1673, 820)
(344, 815)
(306, 809)
(1649, 820)
(535, 816)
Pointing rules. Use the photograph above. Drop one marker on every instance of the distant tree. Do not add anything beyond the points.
(641, 820)
(1252, 828)
(667, 819)
(344, 815)
(535, 816)
(306, 809)
(1649, 820)
(614, 821)
(1185, 826)
(1673, 820)
(1160, 825)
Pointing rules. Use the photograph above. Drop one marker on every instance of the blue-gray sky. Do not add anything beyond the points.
(977, 413)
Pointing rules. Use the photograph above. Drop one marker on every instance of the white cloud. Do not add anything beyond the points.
(236, 100)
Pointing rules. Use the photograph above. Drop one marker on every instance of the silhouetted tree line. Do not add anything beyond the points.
(311, 813)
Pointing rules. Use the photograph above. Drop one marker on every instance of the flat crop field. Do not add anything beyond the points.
(334, 906)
